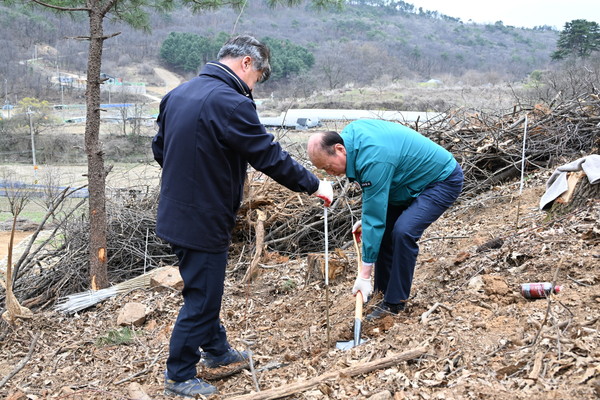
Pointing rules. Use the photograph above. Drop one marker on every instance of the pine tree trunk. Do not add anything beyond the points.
(95, 155)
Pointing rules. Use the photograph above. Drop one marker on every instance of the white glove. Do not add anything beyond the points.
(357, 230)
(325, 192)
(364, 286)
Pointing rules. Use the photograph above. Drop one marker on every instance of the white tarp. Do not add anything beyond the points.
(290, 117)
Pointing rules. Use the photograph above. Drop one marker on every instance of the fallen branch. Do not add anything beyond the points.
(14, 309)
(361, 368)
(21, 363)
(426, 314)
(142, 372)
(27, 255)
(549, 303)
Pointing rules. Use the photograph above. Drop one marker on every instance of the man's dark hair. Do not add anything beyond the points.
(330, 139)
(246, 45)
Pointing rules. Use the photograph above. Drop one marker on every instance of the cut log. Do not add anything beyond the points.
(580, 191)
(252, 270)
(573, 180)
(362, 368)
(337, 265)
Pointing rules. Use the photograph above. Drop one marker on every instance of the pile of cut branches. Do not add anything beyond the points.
(132, 246)
(490, 148)
(295, 223)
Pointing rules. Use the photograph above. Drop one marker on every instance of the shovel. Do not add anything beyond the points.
(358, 309)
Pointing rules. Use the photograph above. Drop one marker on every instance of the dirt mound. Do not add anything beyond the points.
(482, 338)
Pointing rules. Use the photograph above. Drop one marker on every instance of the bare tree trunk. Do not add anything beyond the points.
(93, 149)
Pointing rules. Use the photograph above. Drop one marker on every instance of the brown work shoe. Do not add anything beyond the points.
(384, 308)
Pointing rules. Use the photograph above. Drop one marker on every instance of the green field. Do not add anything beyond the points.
(141, 178)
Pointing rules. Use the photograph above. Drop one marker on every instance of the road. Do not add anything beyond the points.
(170, 79)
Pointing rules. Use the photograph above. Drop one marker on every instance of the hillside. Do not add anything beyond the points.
(480, 337)
(359, 45)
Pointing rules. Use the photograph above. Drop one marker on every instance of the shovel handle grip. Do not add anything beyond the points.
(358, 310)
(357, 236)
(358, 253)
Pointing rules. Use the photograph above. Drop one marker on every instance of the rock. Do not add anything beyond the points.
(461, 257)
(136, 392)
(18, 395)
(476, 283)
(495, 285)
(168, 276)
(385, 395)
(495, 243)
(132, 314)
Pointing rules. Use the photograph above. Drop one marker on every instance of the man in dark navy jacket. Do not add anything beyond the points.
(208, 133)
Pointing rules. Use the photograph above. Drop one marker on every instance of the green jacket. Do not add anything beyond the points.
(393, 164)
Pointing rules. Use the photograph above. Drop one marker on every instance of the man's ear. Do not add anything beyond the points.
(246, 63)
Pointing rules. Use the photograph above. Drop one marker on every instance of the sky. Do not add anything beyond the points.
(518, 13)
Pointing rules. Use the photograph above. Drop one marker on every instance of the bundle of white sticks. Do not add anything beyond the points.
(79, 301)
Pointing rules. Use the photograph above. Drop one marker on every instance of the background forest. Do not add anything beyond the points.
(361, 44)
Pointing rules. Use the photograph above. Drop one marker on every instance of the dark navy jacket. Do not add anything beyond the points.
(208, 133)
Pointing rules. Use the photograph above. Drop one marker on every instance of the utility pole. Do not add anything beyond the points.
(62, 96)
(6, 102)
(35, 167)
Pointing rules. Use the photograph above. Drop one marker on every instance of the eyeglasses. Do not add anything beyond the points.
(266, 74)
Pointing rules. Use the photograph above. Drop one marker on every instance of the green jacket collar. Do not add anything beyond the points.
(350, 155)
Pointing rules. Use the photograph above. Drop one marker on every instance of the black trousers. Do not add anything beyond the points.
(399, 249)
(198, 324)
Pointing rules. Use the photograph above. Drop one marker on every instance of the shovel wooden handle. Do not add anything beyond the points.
(359, 297)
(359, 306)
(358, 254)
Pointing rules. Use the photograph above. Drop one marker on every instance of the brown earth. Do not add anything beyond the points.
(5, 240)
(482, 338)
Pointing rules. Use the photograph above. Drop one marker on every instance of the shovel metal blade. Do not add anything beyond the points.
(349, 344)
(357, 329)
(356, 340)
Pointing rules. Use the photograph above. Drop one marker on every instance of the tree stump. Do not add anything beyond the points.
(580, 193)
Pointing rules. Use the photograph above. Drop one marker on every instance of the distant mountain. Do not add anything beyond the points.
(366, 43)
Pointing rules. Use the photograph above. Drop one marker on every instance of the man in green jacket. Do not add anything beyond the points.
(408, 181)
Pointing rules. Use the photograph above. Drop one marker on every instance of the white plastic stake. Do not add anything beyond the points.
(326, 274)
(523, 156)
(326, 248)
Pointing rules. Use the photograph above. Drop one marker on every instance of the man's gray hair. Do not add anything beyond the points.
(246, 45)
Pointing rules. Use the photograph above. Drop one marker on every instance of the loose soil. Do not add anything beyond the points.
(5, 240)
(482, 338)
(4, 245)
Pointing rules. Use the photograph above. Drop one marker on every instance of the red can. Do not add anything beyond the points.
(539, 290)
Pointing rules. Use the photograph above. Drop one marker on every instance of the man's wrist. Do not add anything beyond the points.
(366, 269)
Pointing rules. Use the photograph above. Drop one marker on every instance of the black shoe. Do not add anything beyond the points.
(231, 356)
(190, 388)
(384, 308)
